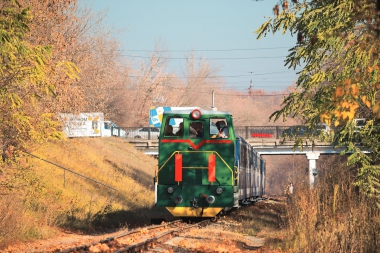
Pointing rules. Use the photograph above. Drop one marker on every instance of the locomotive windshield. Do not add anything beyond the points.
(196, 129)
(173, 127)
(180, 127)
(218, 128)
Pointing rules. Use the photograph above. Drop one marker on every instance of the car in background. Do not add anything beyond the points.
(144, 133)
(323, 127)
(324, 131)
(300, 130)
(297, 130)
(111, 129)
(359, 123)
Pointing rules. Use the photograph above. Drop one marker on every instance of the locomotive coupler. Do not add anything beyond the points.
(195, 203)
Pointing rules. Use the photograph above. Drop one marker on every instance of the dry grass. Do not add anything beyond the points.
(264, 219)
(38, 196)
(334, 217)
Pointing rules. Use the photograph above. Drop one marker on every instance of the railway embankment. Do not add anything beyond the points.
(80, 190)
(80, 184)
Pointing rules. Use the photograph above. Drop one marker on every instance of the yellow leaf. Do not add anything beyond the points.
(339, 92)
(354, 90)
(376, 108)
(337, 113)
(324, 117)
(345, 104)
(345, 115)
(350, 116)
(364, 99)
(347, 82)
(336, 123)
(353, 106)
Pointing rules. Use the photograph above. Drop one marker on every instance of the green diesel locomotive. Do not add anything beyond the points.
(203, 166)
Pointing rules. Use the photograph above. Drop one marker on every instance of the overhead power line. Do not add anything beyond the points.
(207, 50)
(253, 95)
(210, 77)
(228, 94)
(184, 58)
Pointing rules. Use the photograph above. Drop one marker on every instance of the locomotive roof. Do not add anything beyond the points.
(204, 112)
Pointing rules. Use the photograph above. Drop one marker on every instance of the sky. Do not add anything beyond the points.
(220, 31)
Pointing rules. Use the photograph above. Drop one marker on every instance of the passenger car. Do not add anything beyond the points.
(144, 133)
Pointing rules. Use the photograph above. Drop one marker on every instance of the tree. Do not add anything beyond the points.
(338, 44)
(55, 23)
(26, 74)
(80, 36)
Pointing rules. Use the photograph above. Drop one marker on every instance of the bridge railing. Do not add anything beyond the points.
(247, 132)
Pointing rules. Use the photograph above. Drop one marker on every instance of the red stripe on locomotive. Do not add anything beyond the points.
(196, 147)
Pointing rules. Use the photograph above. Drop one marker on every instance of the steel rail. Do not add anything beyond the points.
(148, 243)
(109, 239)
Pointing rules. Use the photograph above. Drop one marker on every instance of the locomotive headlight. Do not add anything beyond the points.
(178, 199)
(170, 189)
(219, 190)
(210, 199)
(196, 114)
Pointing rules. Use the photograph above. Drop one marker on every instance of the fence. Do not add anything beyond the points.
(71, 171)
(248, 132)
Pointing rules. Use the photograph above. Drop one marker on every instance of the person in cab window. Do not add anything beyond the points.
(199, 129)
(192, 131)
(222, 129)
(169, 130)
(180, 131)
(196, 130)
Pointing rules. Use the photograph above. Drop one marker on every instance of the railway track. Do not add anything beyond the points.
(138, 240)
(147, 238)
(226, 233)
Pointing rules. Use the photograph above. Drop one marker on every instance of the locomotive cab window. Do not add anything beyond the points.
(173, 127)
(219, 128)
(196, 129)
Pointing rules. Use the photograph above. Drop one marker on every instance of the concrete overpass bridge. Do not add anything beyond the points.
(312, 150)
(267, 146)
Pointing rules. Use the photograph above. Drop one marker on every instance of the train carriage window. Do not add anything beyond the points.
(107, 125)
(196, 129)
(218, 128)
(173, 127)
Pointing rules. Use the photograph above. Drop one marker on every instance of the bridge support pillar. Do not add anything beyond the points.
(312, 157)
